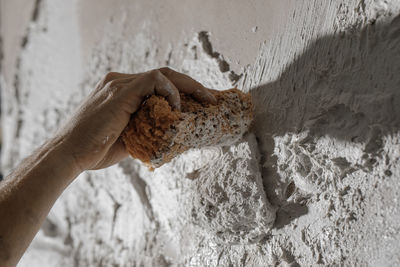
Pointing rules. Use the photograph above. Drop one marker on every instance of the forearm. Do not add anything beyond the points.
(27, 195)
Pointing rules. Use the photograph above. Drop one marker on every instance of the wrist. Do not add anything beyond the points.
(61, 156)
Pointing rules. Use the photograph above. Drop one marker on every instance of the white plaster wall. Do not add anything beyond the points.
(324, 148)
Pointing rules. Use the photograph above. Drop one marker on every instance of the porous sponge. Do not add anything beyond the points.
(157, 133)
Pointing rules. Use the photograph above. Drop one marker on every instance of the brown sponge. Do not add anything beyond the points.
(157, 133)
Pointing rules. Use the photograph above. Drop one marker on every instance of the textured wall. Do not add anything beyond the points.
(321, 161)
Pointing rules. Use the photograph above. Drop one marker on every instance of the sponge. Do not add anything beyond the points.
(157, 133)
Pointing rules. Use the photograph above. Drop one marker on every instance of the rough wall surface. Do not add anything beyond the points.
(322, 159)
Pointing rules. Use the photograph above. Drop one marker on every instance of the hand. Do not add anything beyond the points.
(92, 134)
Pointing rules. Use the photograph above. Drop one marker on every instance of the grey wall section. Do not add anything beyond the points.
(321, 161)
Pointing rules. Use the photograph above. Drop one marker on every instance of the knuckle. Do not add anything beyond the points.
(112, 83)
(165, 70)
(112, 88)
(109, 76)
(155, 74)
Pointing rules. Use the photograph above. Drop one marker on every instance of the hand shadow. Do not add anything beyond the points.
(346, 86)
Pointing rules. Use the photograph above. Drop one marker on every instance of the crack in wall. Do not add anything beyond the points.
(16, 81)
(34, 18)
(1, 52)
(140, 186)
(116, 207)
(204, 39)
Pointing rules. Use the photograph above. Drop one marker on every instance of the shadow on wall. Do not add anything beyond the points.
(345, 86)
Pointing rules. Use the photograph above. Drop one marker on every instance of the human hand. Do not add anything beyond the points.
(91, 136)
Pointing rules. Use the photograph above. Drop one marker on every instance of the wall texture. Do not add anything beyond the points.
(321, 163)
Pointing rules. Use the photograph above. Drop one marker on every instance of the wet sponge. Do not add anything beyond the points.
(156, 133)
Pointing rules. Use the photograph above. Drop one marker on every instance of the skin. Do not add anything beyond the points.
(89, 140)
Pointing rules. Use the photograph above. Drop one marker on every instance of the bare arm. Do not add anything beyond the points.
(90, 140)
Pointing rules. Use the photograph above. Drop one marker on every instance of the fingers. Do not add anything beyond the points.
(165, 82)
(188, 85)
(167, 89)
(154, 82)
